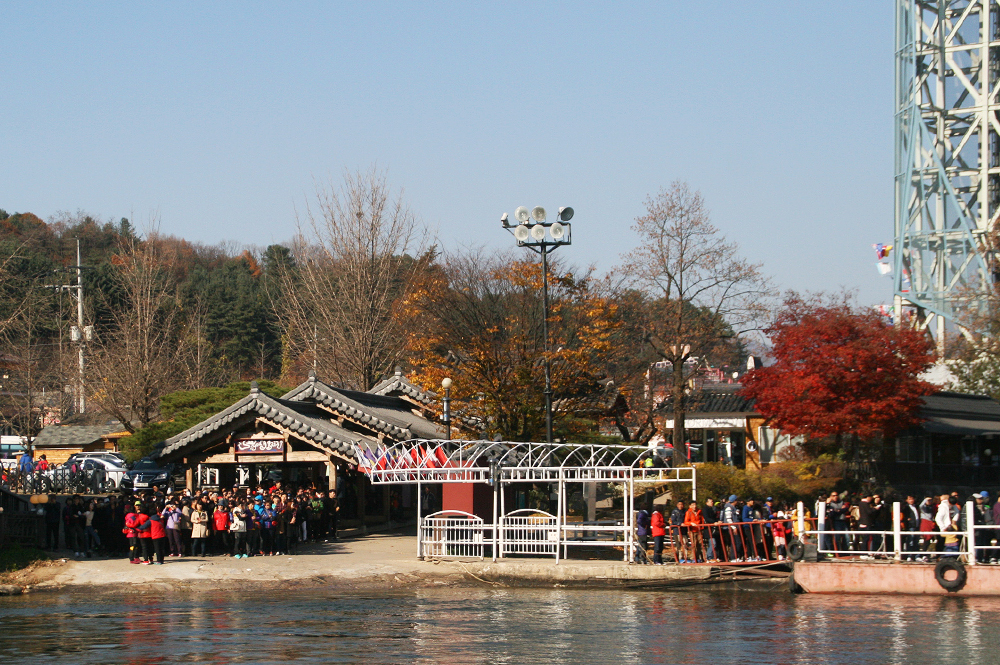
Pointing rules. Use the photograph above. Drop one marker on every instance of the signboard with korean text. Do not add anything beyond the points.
(260, 446)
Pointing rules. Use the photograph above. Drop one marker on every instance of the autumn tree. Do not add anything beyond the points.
(702, 293)
(476, 317)
(840, 370)
(355, 258)
(29, 363)
(975, 355)
(137, 357)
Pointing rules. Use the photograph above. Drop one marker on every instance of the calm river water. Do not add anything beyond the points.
(498, 626)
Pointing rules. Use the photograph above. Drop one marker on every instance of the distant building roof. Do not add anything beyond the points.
(65, 436)
(960, 414)
(603, 400)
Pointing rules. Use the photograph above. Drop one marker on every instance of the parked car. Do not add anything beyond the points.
(108, 456)
(107, 476)
(149, 474)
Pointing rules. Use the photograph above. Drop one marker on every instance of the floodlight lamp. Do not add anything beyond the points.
(521, 232)
(538, 232)
(538, 214)
(503, 221)
(446, 383)
(565, 214)
(521, 215)
(557, 231)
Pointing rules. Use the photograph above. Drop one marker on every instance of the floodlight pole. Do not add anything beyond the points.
(545, 344)
(558, 233)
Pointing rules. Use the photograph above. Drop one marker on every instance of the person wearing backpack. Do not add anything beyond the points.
(642, 535)
(731, 518)
(238, 527)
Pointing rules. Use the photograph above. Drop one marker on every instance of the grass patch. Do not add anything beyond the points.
(15, 557)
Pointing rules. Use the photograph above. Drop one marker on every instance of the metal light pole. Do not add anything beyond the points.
(446, 414)
(542, 237)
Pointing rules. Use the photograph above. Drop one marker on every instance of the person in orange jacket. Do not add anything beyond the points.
(658, 527)
(694, 521)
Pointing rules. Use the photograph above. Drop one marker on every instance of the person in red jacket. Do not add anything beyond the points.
(142, 531)
(158, 535)
(220, 539)
(658, 527)
(695, 522)
(131, 524)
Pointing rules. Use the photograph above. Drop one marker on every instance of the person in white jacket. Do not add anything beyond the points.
(943, 519)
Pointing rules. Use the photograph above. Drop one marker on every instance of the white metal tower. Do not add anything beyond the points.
(947, 156)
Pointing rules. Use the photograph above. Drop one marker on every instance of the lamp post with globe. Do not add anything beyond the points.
(531, 230)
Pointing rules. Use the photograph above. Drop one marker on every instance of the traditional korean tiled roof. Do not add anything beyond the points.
(302, 418)
(397, 384)
(601, 401)
(392, 416)
(715, 401)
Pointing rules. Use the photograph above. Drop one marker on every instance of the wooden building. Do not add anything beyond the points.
(303, 437)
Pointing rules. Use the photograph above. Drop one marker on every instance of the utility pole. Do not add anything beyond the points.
(79, 321)
(79, 333)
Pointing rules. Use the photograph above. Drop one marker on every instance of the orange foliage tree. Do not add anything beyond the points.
(476, 318)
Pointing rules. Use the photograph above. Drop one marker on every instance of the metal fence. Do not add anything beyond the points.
(26, 529)
(974, 543)
(760, 541)
(529, 531)
(452, 533)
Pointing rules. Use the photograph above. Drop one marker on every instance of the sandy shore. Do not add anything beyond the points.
(382, 561)
(377, 562)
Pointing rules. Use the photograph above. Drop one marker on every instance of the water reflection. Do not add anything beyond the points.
(497, 626)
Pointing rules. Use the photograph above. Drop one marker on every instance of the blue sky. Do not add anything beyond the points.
(221, 119)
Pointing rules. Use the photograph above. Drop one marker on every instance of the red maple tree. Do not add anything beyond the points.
(840, 370)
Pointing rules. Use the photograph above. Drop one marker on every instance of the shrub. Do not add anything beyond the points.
(787, 482)
(14, 557)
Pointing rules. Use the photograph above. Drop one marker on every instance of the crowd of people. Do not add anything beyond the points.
(151, 527)
(737, 531)
(931, 526)
(731, 531)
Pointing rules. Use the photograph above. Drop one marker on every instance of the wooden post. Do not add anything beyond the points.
(331, 470)
(362, 502)
(386, 515)
(189, 478)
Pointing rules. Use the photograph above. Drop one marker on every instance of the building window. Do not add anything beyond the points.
(913, 449)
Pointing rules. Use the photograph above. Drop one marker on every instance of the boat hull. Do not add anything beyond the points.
(891, 577)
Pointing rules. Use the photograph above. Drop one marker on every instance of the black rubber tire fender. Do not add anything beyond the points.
(943, 566)
(796, 550)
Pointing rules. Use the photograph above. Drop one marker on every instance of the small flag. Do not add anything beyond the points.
(881, 251)
(883, 268)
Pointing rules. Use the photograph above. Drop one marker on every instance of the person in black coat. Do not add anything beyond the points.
(910, 515)
(711, 517)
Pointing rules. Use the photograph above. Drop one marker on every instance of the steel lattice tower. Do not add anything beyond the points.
(947, 156)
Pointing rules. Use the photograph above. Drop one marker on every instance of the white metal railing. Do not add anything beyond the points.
(529, 531)
(897, 542)
(452, 533)
(208, 476)
(985, 541)
(598, 533)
